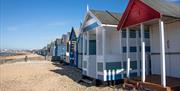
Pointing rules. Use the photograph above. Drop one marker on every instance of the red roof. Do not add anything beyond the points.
(137, 12)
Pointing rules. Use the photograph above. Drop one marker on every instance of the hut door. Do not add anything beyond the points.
(172, 49)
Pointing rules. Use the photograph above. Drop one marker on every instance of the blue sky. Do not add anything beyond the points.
(31, 24)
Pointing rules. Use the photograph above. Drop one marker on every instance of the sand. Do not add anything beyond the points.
(43, 76)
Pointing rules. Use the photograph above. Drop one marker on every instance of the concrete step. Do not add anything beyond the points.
(87, 81)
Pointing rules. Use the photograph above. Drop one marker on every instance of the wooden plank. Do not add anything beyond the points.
(154, 86)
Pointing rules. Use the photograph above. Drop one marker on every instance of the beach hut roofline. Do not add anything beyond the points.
(139, 11)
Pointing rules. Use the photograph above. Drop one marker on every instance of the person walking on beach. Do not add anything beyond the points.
(26, 58)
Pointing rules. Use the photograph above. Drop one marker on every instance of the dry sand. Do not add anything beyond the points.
(42, 76)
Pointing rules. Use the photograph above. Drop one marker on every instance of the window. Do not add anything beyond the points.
(146, 34)
(133, 49)
(124, 49)
(124, 33)
(133, 65)
(147, 49)
(132, 34)
(85, 48)
(68, 47)
(125, 65)
(92, 47)
(113, 65)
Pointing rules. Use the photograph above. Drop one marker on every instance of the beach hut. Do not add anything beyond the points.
(104, 49)
(72, 47)
(50, 51)
(57, 43)
(63, 47)
(162, 19)
(44, 51)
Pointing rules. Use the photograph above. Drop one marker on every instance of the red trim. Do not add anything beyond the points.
(125, 14)
(137, 12)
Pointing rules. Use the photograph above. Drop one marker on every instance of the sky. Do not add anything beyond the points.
(32, 24)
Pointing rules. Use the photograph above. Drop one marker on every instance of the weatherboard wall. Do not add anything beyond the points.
(172, 49)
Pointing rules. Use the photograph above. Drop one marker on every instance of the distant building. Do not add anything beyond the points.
(73, 56)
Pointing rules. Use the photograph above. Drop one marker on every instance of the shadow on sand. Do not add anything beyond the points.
(69, 71)
(75, 74)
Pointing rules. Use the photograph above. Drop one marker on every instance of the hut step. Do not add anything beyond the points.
(87, 81)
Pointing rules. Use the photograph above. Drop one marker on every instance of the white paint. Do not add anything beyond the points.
(108, 25)
(128, 67)
(142, 53)
(172, 60)
(113, 74)
(105, 75)
(89, 22)
(91, 65)
(127, 52)
(162, 53)
(118, 71)
(109, 75)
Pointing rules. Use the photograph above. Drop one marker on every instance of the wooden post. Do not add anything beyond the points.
(142, 53)
(103, 48)
(162, 53)
(120, 45)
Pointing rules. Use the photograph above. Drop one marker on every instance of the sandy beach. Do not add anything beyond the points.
(43, 76)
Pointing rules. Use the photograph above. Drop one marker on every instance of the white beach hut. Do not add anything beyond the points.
(104, 54)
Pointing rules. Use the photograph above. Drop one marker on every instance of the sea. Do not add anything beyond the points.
(7, 54)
